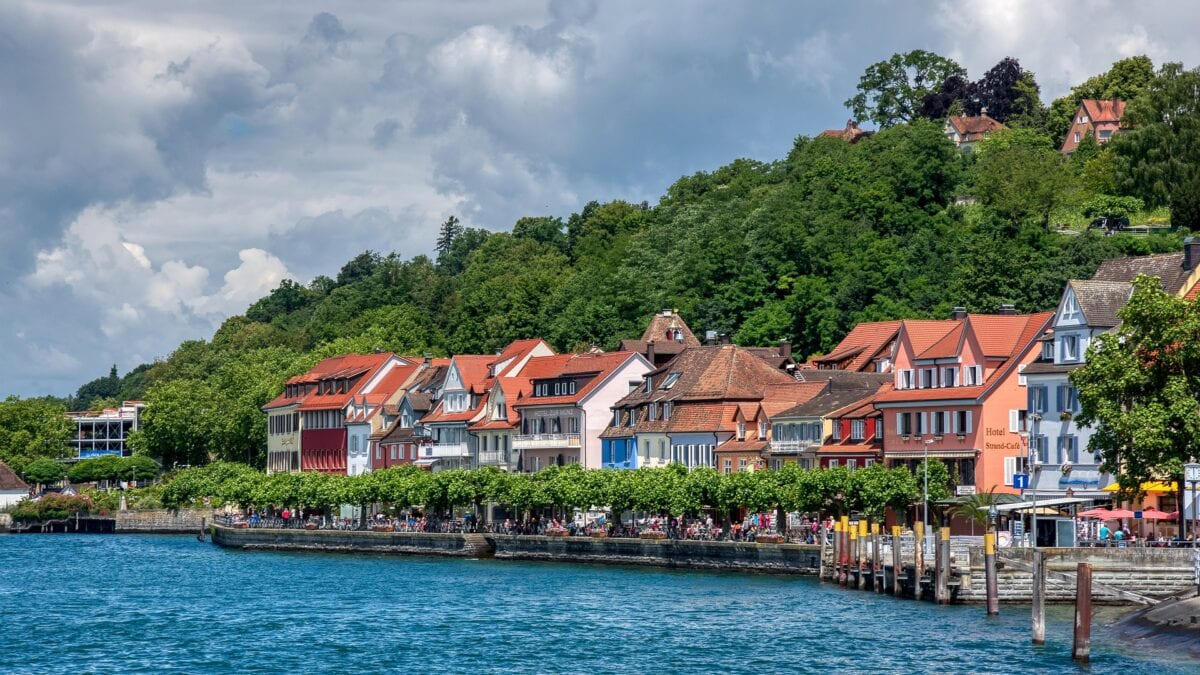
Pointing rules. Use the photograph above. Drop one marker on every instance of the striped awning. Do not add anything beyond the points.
(939, 454)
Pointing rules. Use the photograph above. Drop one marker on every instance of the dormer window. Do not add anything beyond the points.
(927, 381)
(1070, 310)
(653, 412)
(632, 416)
(670, 381)
(1048, 350)
(741, 431)
(647, 386)
(762, 429)
(676, 335)
(617, 417)
(1070, 347)
(904, 379)
(950, 376)
(973, 376)
(666, 413)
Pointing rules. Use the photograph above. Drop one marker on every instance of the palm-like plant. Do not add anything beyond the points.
(977, 507)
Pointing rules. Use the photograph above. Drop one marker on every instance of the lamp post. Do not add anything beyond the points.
(1191, 473)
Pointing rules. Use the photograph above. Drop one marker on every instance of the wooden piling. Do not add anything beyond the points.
(918, 557)
(861, 563)
(989, 568)
(877, 582)
(896, 561)
(1081, 648)
(942, 590)
(1039, 597)
(852, 563)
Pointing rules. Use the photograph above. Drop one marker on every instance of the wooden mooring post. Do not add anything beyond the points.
(1039, 597)
(852, 563)
(897, 564)
(1081, 647)
(989, 568)
(877, 580)
(861, 563)
(918, 557)
(942, 590)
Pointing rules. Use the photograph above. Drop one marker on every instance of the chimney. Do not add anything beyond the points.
(650, 352)
(1007, 310)
(667, 312)
(785, 348)
(1191, 253)
(983, 110)
(724, 338)
(428, 359)
(710, 337)
(958, 313)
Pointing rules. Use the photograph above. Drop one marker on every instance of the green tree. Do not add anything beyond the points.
(1139, 390)
(892, 91)
(1158, 158)
(43, 471)
(32, 428)
(1021, 184)
(449, 231)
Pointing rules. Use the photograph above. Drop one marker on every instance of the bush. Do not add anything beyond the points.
(52, 507)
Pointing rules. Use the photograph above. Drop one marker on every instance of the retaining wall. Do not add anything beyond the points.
(343, 541)
(1156, 572)
(722, 555)
(162, 521)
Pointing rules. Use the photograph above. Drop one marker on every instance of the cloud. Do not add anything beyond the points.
(159, 171)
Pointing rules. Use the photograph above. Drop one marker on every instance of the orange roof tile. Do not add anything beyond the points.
(863, 342)
(947, 346)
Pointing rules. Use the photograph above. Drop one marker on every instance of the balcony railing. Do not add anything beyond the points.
(492, 458)
(445, 450)
(792, 447)
(546, 441)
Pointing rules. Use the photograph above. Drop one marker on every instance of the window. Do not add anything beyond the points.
(653, 415)
(393, 452)
(632, 416)
(762, 429)
(1041, 449)
(868, 463)
(904, 425)
(647, 386)
(571, 387)
(1105, 134)
(1038, 395)
(1018, 421)
(833, 463)
(741, 431)
(741, 465)
(666, 413)
(858, 430)
(904, 379)
(837, 430)
(1070, 310)
(939, 423)
(617, 417)
(1076, 136)
(728, 466)
(1083, 119)
(1048, 350)
(672, 378)
(950, 376)
(921, 422)
(852, 464)
(927, 378)
(973, 376)
(1067, 398)
(1070, 347)
(558, 388)
(1068, 449)
(962, 421)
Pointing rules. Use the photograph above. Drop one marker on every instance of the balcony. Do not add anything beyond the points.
(546, 441)
(492, 458)
(445, 450)
(790, 447)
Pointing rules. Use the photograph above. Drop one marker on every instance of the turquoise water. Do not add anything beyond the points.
(173, 604)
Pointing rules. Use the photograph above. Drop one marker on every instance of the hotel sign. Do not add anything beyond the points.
(999, 438)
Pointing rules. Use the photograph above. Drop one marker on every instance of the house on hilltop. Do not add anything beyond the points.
(851, 134)
(967, 130)
(1099, 119)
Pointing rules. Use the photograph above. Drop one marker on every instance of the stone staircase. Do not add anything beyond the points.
(477, 545)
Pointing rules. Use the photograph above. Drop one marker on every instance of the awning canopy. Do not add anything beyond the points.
(1026, 506)
(933, 454)
(427, 462)
(1148, 486)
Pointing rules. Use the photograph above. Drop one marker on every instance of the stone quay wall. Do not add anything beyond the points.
(162, 521)
(734, 556)
(717, 555)
(350, 541)
(1154, 572)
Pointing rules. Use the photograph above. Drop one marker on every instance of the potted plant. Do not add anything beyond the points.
(1065, 415)
(653, 534)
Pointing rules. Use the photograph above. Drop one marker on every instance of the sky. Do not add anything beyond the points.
(163, 165)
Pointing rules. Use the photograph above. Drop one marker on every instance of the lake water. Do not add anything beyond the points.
(154, 603)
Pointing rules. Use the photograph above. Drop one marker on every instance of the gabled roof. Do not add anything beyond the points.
(514, 353)
(665, 321)
(945, 347)
(850, 134)
(712, 373)
(1003, 337)
(974, 127)
(1168, 267)
(345, 367)
(595, 367)
(9, 480)
(829, 401)
(473, 369)
(861, 344)
(1103, 110)
(1100, 300)
(923, 334)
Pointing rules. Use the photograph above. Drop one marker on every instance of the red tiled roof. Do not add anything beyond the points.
(1104, 110)
(945, 347)
(439, 416)
(665, 321)
(969, 126)
(516, 351)
(9, 480)
(347, 366)
(863, 342)
(602, 364)
(924, 333)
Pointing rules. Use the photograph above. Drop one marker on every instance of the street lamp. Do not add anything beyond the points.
(925, 515)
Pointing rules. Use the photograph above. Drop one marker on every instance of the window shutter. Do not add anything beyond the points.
(954, 423)
(899, 424)
(968, 430)
(1010, 470)
(1014, 421)
(1059, 449)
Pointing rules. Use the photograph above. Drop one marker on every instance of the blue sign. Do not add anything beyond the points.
(1137, 515)
(1020, 481)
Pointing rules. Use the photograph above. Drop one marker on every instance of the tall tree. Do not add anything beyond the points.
(450, 230)
(892, 91)
(1124, 80)
(1158, 158)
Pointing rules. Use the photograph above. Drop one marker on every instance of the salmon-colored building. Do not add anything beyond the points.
(957, 385)
(1096, 118)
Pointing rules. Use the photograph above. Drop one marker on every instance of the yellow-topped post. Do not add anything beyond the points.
(942, 590)
(918, 555)
(896, 560)
(989, 568)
